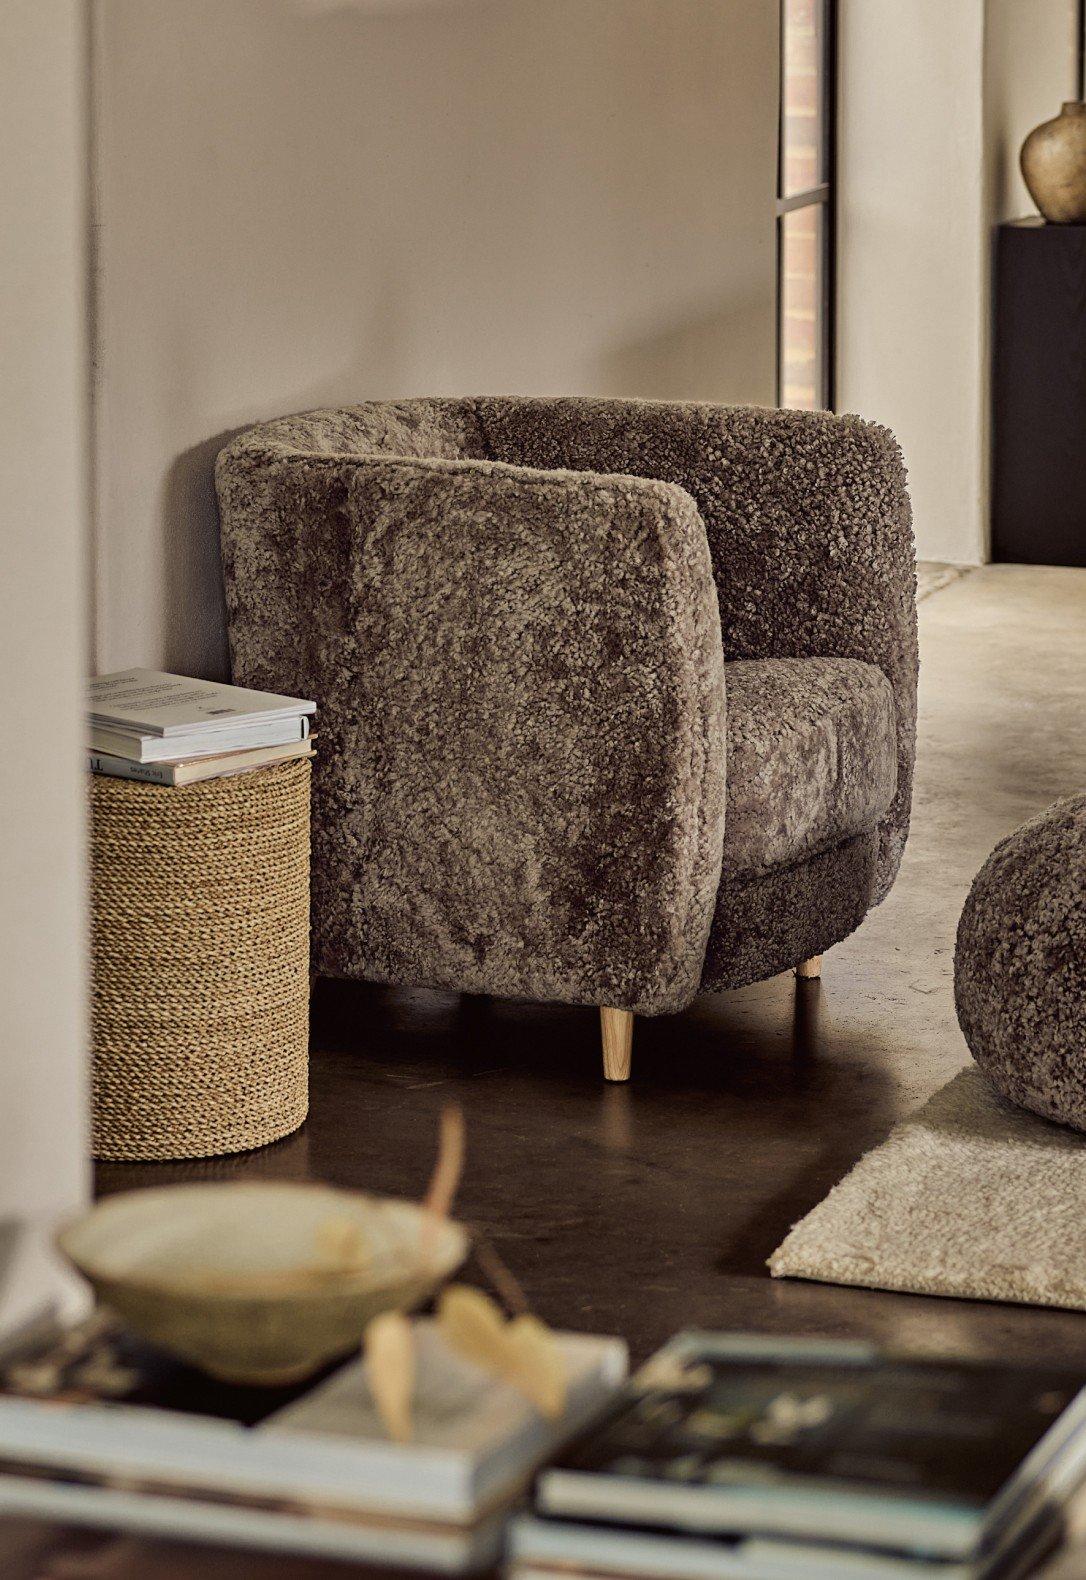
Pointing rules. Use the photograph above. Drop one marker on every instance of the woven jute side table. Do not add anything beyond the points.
(200, 963)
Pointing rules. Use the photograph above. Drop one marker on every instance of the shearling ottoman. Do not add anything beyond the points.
(1020, 965)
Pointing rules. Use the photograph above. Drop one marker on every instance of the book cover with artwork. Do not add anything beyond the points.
(835, 1443)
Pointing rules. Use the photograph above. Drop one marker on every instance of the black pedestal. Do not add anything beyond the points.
(1039, 394)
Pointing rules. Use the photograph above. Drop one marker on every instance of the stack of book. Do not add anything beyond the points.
(172, 730)
(98, 1428)
(775, 1460)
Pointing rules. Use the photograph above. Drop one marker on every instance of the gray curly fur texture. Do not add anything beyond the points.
(1020, 965)
(811, 759)
(518, 617)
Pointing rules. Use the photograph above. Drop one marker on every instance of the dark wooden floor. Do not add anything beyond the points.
(635, 1210)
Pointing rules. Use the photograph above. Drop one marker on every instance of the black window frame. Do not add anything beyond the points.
(823, 195)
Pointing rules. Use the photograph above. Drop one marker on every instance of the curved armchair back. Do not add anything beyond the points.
(515, 615)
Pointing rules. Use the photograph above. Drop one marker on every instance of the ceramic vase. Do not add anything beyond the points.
(1053, 161)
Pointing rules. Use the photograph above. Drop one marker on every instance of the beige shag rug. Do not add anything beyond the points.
(969, 1197)
(933, 574)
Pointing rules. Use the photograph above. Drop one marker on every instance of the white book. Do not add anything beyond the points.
(475, 1442)
(549, 1547)
(223, 765)
(560, 1550)
(175, 748)
(323, 1454)
(449, 1549)
(150, 702)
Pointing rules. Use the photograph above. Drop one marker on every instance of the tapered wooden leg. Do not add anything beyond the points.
(616, 1029)
(807, 969)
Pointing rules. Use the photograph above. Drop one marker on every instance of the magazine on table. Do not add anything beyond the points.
(151, 702)
(174, 730)
(189, 771)
(944, 1461)
(184, 748)
(548, 1549)
(98, 1427)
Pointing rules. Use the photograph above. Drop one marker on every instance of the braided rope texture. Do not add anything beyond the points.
(200, 963)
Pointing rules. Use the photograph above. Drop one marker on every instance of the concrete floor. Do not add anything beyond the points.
(642, 1209)
(1002, 734)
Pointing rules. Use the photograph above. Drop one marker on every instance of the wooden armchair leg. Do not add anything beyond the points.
(807, 969)
(616, 1030)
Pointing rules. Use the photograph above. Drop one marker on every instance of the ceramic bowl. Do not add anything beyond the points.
(259, 1283)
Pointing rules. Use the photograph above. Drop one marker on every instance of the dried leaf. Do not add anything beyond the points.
(471, 1323)
(491, 1264)
(538, 1365)
(104, 1376)
(523, 1352)
(446, 1176)
(34, 1377)
(389, 1344)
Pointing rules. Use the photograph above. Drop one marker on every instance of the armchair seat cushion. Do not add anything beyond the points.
(811, 759)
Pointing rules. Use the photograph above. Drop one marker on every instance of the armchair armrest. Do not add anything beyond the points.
(810, 530)
(519, 673)
(808, 522)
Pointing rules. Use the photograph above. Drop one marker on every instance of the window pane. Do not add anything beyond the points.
(802, 45)
(801, 266)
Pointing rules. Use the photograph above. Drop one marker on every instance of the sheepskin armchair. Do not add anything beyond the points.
(617, 698)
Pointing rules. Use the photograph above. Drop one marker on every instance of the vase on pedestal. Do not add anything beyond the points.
(1053, 161)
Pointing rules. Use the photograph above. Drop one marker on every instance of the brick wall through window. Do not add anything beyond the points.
(803, 204)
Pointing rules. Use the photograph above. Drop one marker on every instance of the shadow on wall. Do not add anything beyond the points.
(193, 604)
(13, 1236)
(399, 197)
(681, 361)
(684, 360)
(11, 1232)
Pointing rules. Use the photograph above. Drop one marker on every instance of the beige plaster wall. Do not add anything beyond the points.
(306, 203)
(935, 101)
(43, 396)
(1029, 69)
(913, 248)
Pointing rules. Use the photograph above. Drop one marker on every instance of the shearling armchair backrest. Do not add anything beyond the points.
(807, 519)
(421, 430)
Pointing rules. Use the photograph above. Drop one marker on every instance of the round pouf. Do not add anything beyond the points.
(1020, 965)
(200, 963)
